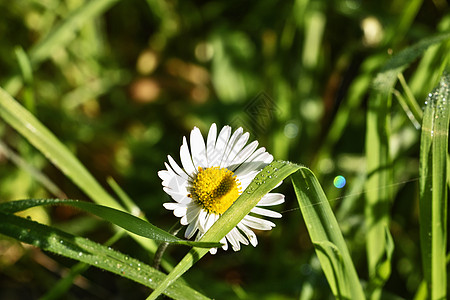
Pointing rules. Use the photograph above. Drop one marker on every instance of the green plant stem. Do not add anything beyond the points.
(163, 246)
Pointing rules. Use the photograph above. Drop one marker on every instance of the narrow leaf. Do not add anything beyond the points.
(324, 231)
(433, 189)
(120, 218)
(84, 250)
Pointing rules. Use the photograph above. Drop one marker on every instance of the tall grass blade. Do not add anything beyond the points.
(379, 174)
(326, 236)
(118, 217)
(84, 250)
(379, 166)
(433, 189)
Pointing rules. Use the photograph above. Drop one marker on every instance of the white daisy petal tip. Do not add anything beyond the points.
(226, 159)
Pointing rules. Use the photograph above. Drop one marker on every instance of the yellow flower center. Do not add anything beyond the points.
(215, 189)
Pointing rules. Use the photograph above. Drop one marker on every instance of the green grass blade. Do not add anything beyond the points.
(326, 236)
(379, 166)
(84, 250)
(117, 217)
(60, 288)
(41, 138)
(433, 189)
(379, 170)
(264, 182)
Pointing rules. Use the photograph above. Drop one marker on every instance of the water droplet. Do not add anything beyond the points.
(126, 257)
(96, 262)
(150, 280)
(80, 253)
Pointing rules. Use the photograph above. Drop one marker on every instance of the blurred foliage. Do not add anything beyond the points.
(128, 84)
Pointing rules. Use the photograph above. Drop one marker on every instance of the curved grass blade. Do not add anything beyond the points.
(263, 183)
(84, 250)
(117, 217)
(433, 189)
(326, 236)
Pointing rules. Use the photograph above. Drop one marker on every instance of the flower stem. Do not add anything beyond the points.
(163, 246)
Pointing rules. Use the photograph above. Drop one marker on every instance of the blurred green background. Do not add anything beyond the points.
(129, 82)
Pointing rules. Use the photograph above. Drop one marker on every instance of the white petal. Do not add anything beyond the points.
(210, 220)
(164, 175)
(233, 240)
(236, 135)
(271, 199)
(180, 211)
(180, 198)
(257, 223)
(211, 144)
(252, 163)
(225, 243)
(198, 149)
(177, 168)
(192, 213)
(243, 155)
(220, 147)
(237, 147)
(191, 229)
(202, 220)
(172, 205)
(251, 236)
(186, 159)
(266, 212)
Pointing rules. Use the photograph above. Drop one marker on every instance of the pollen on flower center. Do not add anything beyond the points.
(215, 189)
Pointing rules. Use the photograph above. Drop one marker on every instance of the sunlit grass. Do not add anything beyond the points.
(95, 90)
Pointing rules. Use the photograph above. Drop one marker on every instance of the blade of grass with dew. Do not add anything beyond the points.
(379, 165)
(60, 288)
(263, 183)
(361, 84)
(118, 217)
(326, 236)
(433, 189)
(46, 142)
(84, 250)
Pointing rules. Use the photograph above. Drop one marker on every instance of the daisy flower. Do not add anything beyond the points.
(211, 178)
